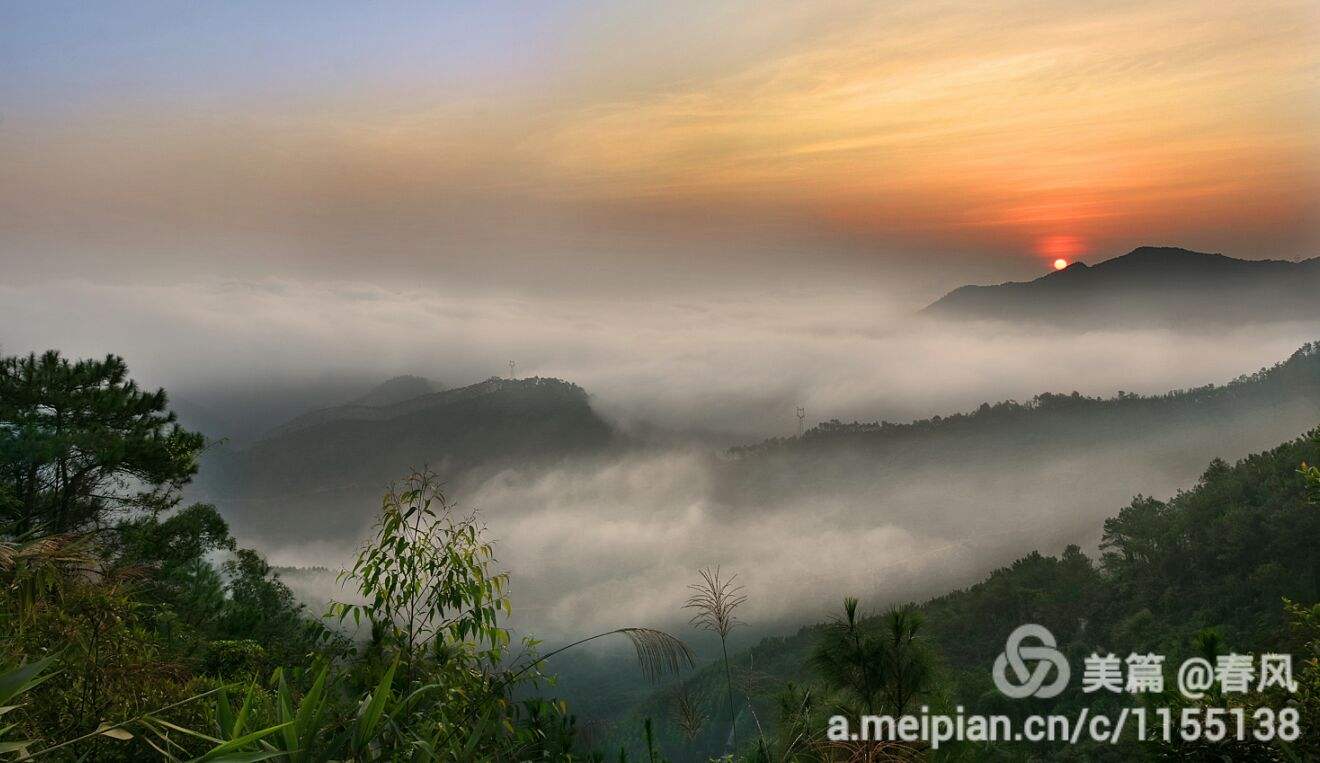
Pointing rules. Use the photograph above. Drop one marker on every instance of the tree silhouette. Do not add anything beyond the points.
(79, 441)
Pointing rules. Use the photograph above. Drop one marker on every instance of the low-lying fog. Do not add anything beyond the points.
(614, 542)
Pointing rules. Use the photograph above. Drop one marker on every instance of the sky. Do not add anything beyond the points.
(516, 147)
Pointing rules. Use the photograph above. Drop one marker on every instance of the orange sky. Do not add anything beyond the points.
(992, 122)
(1022, 129)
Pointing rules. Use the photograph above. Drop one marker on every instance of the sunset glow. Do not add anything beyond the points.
(1060, 264)
(1001, 130)
(1060, 248)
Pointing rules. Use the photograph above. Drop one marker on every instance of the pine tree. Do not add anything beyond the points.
(79, 441)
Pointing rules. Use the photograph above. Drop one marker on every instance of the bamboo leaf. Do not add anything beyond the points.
(224, 751)
(370, 718)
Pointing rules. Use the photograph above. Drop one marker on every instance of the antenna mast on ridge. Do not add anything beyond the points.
(802, 420)
(513, 370)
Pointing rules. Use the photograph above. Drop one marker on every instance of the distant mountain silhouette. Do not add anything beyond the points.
(1055, 449)
(1149, 286)
(330, 467)
(387, 400)
(397, 390)
(201, 418)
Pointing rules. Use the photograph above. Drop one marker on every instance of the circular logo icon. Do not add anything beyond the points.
(1030, 681)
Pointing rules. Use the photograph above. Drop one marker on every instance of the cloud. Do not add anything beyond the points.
(607, 542)
(734, 367)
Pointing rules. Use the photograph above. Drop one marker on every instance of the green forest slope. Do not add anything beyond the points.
(1206, 571)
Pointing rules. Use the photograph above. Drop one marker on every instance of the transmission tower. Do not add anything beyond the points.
(802, 420)
(513, 370)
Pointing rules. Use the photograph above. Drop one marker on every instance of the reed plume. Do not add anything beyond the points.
(714, 600)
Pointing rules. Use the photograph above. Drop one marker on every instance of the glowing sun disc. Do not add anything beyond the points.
(1060, 264)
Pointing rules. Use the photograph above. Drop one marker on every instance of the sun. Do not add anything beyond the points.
(1060, 250)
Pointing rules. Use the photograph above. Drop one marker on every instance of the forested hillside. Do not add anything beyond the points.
(1058, 416)
(1052, 466)
(1231, 564)
(324, 467)
(133, 626)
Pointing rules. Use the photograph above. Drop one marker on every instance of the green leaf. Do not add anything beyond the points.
(223, 751)
(308, 720)
(240, 722)
(150, 721)
(24, 677)
(370, 717)
(248, 757)
(224, 715)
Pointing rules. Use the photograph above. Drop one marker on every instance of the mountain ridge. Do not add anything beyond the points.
(397, 390)
(321, 468)
(1028, 455)
(1150, 285)
(374, 405)
(1302, 365)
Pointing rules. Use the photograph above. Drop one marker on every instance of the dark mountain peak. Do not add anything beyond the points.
(533, 391)
(377, 404)
(1169, 256)
(397, 390)
(332, 464)
(1165, 251)
(1149, 286)
(1074, 270)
